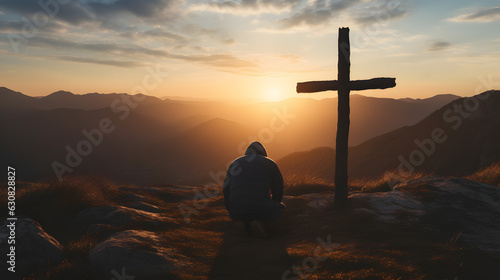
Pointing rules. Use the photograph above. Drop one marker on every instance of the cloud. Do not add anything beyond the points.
(380, 12)
(214, 60)
(161, 33)
(199, 31)
(439, 46)
(108, 48)
(482, 15)
(78, 12)
(12, 26)
(218, 60)
(157, 33)
(145, 9)
(247, 6)
(72, 12)
(117, 63)
(189, 34)
(316, 13)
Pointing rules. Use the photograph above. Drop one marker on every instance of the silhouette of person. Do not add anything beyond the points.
(249, 181)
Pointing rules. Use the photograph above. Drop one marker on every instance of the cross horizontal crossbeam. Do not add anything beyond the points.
(343, 85)
(375, 83)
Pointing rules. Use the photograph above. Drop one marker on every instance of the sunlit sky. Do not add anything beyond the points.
(246, 49)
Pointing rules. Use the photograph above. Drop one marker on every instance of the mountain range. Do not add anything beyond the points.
(458, 139)
(147, 140)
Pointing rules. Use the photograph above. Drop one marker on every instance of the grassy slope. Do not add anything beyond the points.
(217, 250)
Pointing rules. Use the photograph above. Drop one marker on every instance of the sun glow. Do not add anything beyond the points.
(273, 95)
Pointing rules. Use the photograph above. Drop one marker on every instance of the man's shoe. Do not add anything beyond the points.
(258, 229)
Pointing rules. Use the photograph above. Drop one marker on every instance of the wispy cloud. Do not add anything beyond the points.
(107, 48)
(215, 60)
(72, 12)
(117, 63)
(16, 26)
(210, 33)
(380, 12)
(316, 13)
(482, 15)
(78, 12)
(144, 8)
(158, 33)
(439, 46)
(218, 60)
(247, 6)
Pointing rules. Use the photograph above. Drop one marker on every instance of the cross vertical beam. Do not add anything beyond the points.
(342, 142)
(343, 85)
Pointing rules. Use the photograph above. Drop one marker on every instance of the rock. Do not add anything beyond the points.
(140, 253)
(319, 201)
(34, 248)
(388, 205)
(364, 212)
(132, 197)
(100, 229)
(121, 215)
(139, 205)
(444, 205)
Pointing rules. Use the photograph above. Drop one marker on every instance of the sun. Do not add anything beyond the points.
(273, 95)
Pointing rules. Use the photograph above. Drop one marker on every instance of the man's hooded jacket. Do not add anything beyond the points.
(249, 181)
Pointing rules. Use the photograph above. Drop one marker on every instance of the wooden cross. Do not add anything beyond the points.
(343, 85)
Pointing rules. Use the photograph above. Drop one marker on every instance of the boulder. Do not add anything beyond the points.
(139, 253)
(446, 205)
(34, 248)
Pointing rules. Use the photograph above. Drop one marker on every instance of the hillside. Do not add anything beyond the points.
(462, 142)
(88, 229)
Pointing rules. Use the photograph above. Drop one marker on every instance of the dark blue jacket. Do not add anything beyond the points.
(249, 181)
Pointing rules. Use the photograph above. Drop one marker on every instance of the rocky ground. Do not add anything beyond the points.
(426, 228)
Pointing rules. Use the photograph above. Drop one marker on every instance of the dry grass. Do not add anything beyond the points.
(55, 204)
(298, 185)
(369, 248)
(385, 183)
(489, 175)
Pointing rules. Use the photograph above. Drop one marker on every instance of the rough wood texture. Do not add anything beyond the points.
(344, 73)
(375, 83)
(344, 85)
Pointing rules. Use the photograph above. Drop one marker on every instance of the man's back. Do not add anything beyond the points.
(248, 184)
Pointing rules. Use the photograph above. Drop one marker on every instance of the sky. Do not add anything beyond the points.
(247, 49)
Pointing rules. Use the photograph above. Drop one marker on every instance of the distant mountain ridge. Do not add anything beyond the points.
(457, 139)
(62, 99)
(150, 140)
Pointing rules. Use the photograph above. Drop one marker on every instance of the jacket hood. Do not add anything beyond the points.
(256, 148)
